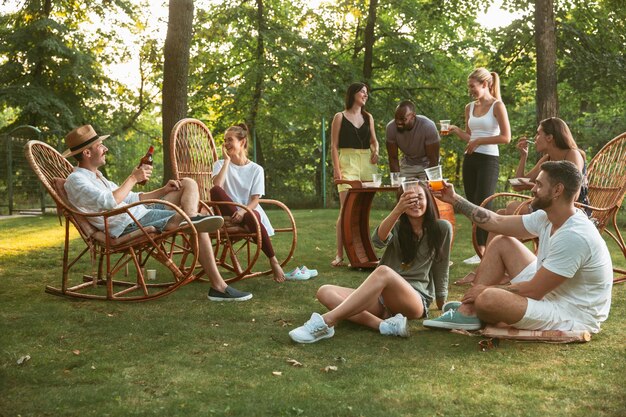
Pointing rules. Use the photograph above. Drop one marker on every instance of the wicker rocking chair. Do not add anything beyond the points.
(171, 253)
(193, 153)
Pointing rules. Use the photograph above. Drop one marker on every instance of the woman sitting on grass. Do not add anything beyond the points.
(238, 179)
(412, 272)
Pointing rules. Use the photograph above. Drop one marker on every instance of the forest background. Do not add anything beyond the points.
(283, 68)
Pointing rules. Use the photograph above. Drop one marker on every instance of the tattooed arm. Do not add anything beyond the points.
(486, 219)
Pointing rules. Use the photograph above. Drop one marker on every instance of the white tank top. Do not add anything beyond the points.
(484, 126)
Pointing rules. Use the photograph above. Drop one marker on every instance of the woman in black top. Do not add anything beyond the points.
(354, 148)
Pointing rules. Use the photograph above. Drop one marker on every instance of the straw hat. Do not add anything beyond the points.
(80, 139)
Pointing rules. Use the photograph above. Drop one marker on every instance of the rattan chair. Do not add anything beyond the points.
(121, 263)
(192, 154)
(606, 178)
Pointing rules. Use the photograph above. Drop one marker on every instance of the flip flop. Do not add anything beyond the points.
(337, 262)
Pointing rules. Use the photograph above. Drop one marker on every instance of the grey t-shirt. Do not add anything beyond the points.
(413, 143)
(428, 276)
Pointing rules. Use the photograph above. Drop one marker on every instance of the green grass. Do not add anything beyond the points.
(183, 355)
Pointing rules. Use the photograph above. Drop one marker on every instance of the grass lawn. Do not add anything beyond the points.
(183, 355)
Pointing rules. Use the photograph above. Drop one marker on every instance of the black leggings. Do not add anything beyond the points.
(480, 176)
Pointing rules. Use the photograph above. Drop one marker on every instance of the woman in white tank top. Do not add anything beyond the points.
(486, 126)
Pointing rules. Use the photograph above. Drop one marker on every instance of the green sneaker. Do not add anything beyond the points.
(452, 319)
(450, 305)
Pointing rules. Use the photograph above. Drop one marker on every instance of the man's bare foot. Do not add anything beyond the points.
(279, 274)
(467, 279)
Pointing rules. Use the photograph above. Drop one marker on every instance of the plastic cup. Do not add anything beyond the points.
(151, 273)
(435, 177)
(410, 185)
(377, 179)
(445, 127)
(395, 179)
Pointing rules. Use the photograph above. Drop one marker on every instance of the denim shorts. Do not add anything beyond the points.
(424, 304)
(156, 216)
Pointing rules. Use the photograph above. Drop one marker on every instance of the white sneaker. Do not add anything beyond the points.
(313, 330)
(394, 326)
(474, 260)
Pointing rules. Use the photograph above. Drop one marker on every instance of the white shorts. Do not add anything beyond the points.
(550, 313)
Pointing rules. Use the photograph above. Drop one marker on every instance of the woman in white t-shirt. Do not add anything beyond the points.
(486, 126)
(238, 179)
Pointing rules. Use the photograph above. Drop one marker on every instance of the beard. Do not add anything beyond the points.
(540, 203)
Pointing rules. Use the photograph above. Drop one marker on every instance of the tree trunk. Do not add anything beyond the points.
(175, 72)
(369, 41)
(545, 44)
(258, 83)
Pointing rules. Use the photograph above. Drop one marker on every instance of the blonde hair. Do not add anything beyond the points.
(241, 132)
(493, 80)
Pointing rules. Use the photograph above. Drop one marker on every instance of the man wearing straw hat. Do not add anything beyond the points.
(89, 192)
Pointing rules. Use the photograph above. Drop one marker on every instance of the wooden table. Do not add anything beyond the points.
(354, 220)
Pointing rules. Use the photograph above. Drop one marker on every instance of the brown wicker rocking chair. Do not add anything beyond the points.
(606, 178)
(171, 253)
(193, 153)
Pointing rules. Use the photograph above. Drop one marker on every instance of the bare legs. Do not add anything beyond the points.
(338, 261)
(250, 221)
(505, 256)
(188, 198)
(512, 207)
(362, 305)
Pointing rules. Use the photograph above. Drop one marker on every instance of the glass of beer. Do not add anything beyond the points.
(445, 127)
(435, 177)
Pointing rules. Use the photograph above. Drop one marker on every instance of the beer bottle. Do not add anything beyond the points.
(146, 160)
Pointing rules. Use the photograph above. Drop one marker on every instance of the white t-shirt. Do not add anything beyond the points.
(482, 127)
(575, 251)
(242, 182)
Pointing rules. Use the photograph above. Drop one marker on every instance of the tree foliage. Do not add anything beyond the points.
(283, 67)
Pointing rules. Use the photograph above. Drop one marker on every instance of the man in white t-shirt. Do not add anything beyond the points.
(566, 286)
(418, 139)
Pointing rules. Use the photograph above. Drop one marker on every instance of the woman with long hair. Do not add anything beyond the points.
(236, 178)
(555, 141)
(486, 127)
(354, 148)
(412, 273)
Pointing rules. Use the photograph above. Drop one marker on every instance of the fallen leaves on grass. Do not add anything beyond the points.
(294, 362)
(283, 322)
(23, 359)
(76, 352)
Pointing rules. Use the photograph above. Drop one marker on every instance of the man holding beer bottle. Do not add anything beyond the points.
(89, 191)
(417, 137)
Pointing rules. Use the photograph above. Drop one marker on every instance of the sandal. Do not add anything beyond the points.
(467, 279)
(338, 261)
